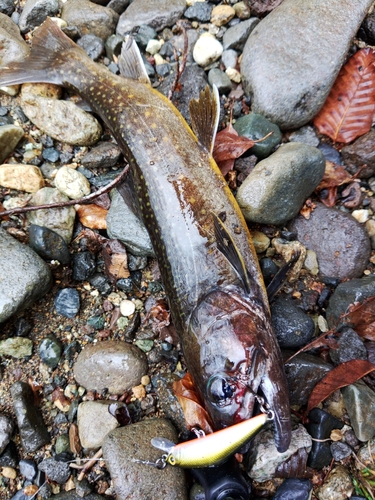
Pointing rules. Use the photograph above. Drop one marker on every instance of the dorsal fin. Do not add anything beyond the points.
(204, 115)
(279, 278)
(130, 61)
(230, 251)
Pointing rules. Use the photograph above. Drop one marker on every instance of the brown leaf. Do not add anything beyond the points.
(334, 176)
(229, 146)
(74, 442)
(115, 260)
(345, 374)
(362, 318)
(349, 109)
(195, 414)
(92, 216)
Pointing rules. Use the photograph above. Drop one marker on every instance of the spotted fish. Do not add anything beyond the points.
(207, 260)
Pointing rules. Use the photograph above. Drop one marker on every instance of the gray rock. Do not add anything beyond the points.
(24, 276)
(306, 135)
(55, 470)
(10, 136)
(67, 302)
(220, 79)
(236, 36)
(156, 13)
(35, 12)
(6, 430)
(17, 347)
(256, 127)
(104, 154)
(341, 244)
(359, 154)
(123, 224)
(294, 489)
(62, 443)
(28, 469)
(12, 46)
(50, 350)
(360, 405)
(293, 328)
(266, 196)
(92, 45)
(200, 11)
(340, 450)
(229, 58)
(290, 80)
(123, 446)
(33, 431)
(350, 346)
(7, 7)
(48, 244)
(94, 422)
(113, 365)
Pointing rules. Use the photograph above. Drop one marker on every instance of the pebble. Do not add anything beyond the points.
(17, 347)
(294, 489)
(254, 126)
(287, 249)
(56, 471)
(341, 244)
(90, 18)
(21, 177)
(338, 485)
(50, 350)
(235, 37)
(311, 263)
(207, 50)
(340, 451)
(330, 153)
(361, 215)
(233, 74)
(51, 155)
(153, 46)
(366, 454)
(220, 80)
(265, 195)
(59, 220)
(92, 45)
(349, 346)
(33, 431)
(242, 10)
(84, 266)
(28, 276)
(155, 13)
(67, 302)
(260, 240)
(94, 422)
(222, 14)
(127, 307)
(124, 445)
(104, 154)
(144, 34)
(291, 94)
(35, 12)
(28, 469)
(360, 153)
(10, 136)
(6, 430)
(306, 135)
(13, 46)
(9, 457)
(200, 11)
(263, 458)
(114, 365)
(101, 283)
(360, 405)
(229, 58)
(48, 244)
(293, 328)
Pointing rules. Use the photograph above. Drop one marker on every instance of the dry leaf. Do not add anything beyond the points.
(345, 374)
(92, 216)
(334, 176)
(349, 109)
(228, 147)
(115, 260)
(361, 317)
(74, 442)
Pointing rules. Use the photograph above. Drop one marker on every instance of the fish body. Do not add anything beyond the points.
(224, 328)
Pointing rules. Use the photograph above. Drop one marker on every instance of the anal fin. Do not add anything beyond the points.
(204, 115)
(130, 61)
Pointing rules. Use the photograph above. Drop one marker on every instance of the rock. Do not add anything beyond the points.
(311, 263)
(207, 50)
(199, 11)
(10, 136)
(254, 126)
(101, 283)
(89, 17)
(92, 45)
(21, 177)
(12, 46)
(55, 470)
(28, 469)
(6, 430)
(48, 244)
(144, 34)
(113, 365)
(289, 82)
(222, 14)
(260, 240)
(288, 250)
(17, 347)
(340, 451)
(156, 13)
(84, 266)
(35, 12)
(67, 302)
(123, 446)
(337, 485)
(9, 457)
(73, 495)
(153, 46)
(366, 454)
(294, 489)
(235, 37)
(330, 153)
(127, 307)
(306, 135)
(50, 350)
(293, 328)
(62, 441)
(361, 152)
(59, 220)
(25, 277)
(303, 372)
(94, 422)
(132, 233)
(339, 241)
(360, 405)
(350, 346)
(259, 7)
(265, 195)
(220, 79)
(263, 458)
(104, 154)
(7, 7)
(229, 58)
(33, 432)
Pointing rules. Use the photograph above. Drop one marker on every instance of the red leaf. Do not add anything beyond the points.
(349, 109)
(362, 318)
(229, 146)
(345, 374)
(115, 260)
(334, 176)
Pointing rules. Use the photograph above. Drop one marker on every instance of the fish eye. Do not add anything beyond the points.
(219, 390)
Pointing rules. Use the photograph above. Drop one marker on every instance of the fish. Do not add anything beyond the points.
(203, 246)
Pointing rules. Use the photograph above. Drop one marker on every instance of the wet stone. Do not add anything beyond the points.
(92, 45)
(112, 47)
(269, 269)
(294, 489)
(330, 153)
(94, 422)
(10, 136)
(235, 37)
(35, 12)
(144, 34)
(101, 283)
(254, 126)
(33, 431)
(350, 346)
(306, 135)
(50, 350)
(340, 450)
(17, 347)
(48, 244)
(67, 302)
(105, 154)
(337, 485)
(55, 470)
(360, 152)
(84, 265)
(220, 79)
(9, 456)
(293, 328)
(360, 405)
(6, 430)
(28, 469)
(200, 11)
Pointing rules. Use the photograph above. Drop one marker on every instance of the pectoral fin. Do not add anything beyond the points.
(130, 61)
(204, 115)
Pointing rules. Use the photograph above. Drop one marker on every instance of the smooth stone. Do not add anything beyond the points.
(21, 177)
(264, 459)
(350, 346)
(133, 233)
(84, 266)
(235, 37)
(266, 197)
(229, 58)
(293, 328)
(92, 45)
(290, 81)
(112, 47)
(25, 277)
(220, 79)
(242, 10)
(127, 307)
(59, 220)
(17, 347)
(311, 263)
(337, 485)
(340, 450)
(269, 269)
(158, 14)
(51, 155)
(62, 442)
(12, 46)
(123, 446)
(260, 8)
(294, 489)
(360, 405)
(303, 372)
(260, 240)
(199, 11)
(56, 471)
(222, 14)
(28, 469)
(113, 365)
(153, 46)
(360, 153)
(67, 302)
(35, 12)
(50, 350)
(104, 154)
(6, 430)
(33, 431)
(254, 126)
(89, 17)
(341, 244)
(207, 50)
(306, 135)
(10, 136)
(94, 422)
(48, 244)
(330, 153)
(72, 183)
(144, 34)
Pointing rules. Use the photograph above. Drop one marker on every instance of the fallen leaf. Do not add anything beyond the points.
(115, 260)
(345, 374)
(228, 147)
(361, 317)
(334, 176)
(74, 441)
(92, 216)
(307, 209)
(194, 412)
(349, 109)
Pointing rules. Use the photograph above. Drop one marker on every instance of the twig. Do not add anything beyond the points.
(180, 67)
(89, 464)
(61, 204)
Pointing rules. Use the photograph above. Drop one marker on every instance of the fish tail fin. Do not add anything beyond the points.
(48, 52)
